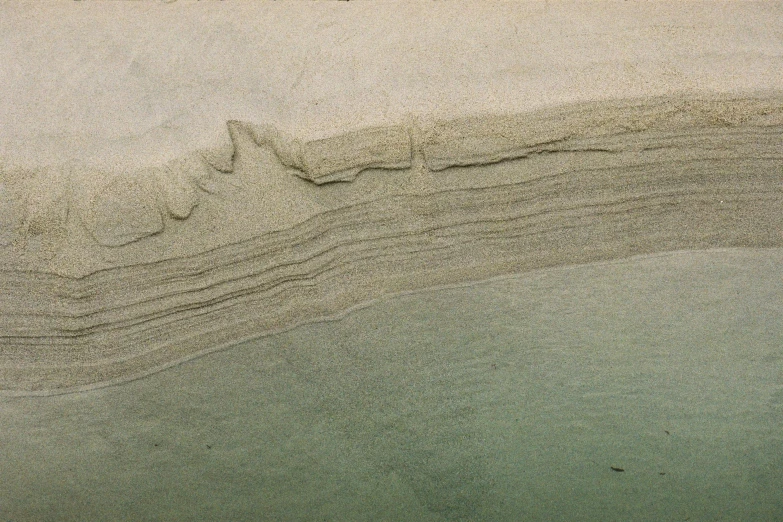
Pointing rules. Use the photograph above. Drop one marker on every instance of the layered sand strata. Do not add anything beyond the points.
(217, 220)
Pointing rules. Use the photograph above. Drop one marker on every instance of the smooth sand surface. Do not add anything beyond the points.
(504, 400)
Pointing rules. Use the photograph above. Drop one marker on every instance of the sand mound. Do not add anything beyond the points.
(178, 177)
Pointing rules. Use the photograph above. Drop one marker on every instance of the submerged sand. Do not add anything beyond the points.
(176, 178)
(505, 400)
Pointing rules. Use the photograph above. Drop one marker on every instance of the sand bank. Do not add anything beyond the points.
(178, 177)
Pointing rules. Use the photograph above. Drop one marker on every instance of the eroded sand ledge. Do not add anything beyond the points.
(113, 267)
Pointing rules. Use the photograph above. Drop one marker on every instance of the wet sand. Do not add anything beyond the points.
(511, 399)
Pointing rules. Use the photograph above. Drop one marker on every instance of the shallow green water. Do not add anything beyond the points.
(506, 400)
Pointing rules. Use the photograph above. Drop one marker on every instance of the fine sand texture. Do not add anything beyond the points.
(179, 177)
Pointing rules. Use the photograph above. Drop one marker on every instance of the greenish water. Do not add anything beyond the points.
(505, 400)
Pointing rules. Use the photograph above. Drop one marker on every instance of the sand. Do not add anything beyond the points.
(178, 177)
(391, 260)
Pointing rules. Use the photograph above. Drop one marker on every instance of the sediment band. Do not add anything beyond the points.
(417, 205)
(176, 177)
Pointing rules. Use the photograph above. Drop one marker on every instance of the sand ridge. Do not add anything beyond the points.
(115, 210)
(268, 165)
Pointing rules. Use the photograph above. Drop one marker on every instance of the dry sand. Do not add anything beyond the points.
(177, 177)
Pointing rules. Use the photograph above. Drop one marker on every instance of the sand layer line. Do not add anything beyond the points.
(121, 208)
(379, 211)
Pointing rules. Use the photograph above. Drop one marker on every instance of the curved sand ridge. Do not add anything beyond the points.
(119, 209)
(418, 205)
(178, 177)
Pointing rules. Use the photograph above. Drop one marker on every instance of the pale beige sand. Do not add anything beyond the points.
(503, 401)
(169, 172)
